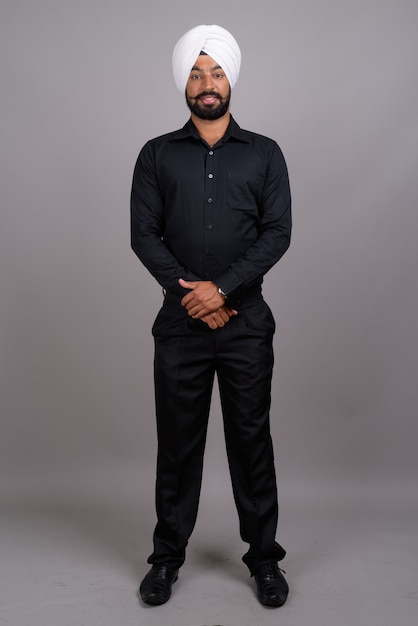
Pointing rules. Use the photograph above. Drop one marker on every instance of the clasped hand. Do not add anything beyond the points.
(204, 302)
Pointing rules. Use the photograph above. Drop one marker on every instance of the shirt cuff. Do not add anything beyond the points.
(228, 282)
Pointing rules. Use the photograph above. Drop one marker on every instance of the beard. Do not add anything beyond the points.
(212, 111)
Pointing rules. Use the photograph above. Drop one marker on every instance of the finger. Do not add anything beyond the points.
(187, 299)
(198, 313)
(191, 305)
(190, 300)
(223, 315)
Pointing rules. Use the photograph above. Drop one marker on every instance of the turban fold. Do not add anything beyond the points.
(216, 42)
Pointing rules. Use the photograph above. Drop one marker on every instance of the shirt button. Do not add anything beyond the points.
(210, 175)
(209, 226)
(211, 152)
(210, 200)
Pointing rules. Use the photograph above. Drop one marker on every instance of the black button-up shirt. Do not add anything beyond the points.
(202, 213)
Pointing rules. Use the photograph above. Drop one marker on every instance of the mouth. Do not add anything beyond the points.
(208, 99)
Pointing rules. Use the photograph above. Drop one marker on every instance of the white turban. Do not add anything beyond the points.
(216, 42)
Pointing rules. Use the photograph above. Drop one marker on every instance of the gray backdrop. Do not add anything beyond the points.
(83, 85)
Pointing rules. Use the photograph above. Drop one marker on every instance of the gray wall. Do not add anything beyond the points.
(84, 84)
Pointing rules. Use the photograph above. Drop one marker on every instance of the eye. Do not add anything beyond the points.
(195, 76)
(219, 75)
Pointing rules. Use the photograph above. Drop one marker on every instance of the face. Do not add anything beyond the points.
(207, 91)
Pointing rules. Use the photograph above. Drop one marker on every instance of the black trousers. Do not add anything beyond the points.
(187, 355)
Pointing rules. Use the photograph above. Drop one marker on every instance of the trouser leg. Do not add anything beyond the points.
(244, 369)
(184, 372)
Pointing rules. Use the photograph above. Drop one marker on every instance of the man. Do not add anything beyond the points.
(210, 216)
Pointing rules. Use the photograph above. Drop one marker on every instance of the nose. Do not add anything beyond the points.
(208, 82)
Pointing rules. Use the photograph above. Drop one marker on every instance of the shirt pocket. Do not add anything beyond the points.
(244, 191)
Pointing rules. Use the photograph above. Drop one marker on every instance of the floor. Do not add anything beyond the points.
(73, 553)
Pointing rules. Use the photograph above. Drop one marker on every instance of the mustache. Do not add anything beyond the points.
(214, 94)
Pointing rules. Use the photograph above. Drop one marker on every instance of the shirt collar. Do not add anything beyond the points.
(232, 132)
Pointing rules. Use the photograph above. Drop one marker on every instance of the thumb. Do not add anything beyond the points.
(186, 284)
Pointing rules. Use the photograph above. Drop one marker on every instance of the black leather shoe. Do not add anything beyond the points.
(156, 586)
(272, 588)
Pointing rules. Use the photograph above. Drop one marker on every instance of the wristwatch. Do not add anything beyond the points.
(221, 292)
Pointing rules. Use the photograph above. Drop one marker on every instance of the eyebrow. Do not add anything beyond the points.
(195, 68)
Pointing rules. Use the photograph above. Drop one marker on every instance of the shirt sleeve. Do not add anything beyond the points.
(147, 226)
(274, 230)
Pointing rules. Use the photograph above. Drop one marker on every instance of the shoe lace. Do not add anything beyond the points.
(272, 569)
(161, 572)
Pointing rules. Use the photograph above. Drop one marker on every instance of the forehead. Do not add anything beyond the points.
(205, 62)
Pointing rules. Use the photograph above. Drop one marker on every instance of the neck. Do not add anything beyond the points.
(211, 130)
